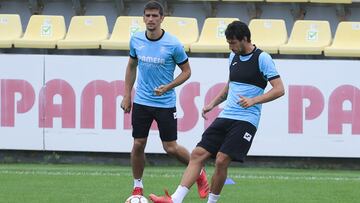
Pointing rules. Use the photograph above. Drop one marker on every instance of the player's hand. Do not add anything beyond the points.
(126, 104)
(206, 109)
(246, 102)
(161, 90)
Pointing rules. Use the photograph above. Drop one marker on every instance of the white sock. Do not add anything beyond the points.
(138, 183)
(213, 198)
(179, 194)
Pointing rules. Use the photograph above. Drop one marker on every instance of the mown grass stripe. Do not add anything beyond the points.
(159, 174)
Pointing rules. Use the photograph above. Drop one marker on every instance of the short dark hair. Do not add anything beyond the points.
(154, 5)
(238, 30)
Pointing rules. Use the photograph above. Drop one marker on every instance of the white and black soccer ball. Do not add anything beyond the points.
(136, 199)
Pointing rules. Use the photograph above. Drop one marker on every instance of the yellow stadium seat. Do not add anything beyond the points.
(43, 31)
(268, 34)
(346, 41)
(212, 38)
(308, 37)
(245, 0)
(332, 1)
(185, 29)
(85, 32)
(124, 28)
(10, 29)
(288, 1)
(199, 0)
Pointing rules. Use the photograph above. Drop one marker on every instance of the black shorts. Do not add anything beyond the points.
(143, 116)
(231, 137)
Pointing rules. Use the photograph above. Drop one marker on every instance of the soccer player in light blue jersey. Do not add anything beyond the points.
(230, 136)
(154, 55)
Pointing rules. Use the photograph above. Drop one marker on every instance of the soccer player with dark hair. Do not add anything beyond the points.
(154, 55)
(230, 136)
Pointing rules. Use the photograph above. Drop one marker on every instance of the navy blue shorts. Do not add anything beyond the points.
(231, 137)
(143, 116)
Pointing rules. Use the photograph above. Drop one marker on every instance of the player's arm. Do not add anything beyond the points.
(217, 100)
(275, 92)
(130, 77)
(180, 79)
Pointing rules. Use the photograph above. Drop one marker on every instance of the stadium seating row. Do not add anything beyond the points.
(91, 32)
(295, 1)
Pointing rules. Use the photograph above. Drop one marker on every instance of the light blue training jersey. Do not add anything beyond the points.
(157, 60)
(249, 81)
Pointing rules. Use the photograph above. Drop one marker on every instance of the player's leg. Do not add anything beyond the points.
(167, 124)
(190, 176)
(177, 151)
(141, 122)
(138, 160)
(198, 170)
(197, 160)
(218, 179)
(234, 148)
(212, 140)
(209, 145)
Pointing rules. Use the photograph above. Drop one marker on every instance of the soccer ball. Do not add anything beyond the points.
(136, 199)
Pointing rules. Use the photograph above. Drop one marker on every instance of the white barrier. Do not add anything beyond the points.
(21, 79)
(76, 106)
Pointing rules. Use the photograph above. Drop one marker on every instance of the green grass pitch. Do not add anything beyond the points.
(37, 183)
